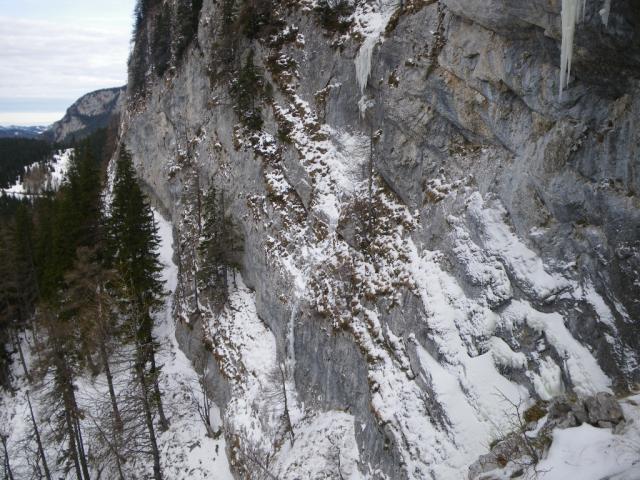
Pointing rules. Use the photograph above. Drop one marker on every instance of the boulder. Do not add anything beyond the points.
(603, 410)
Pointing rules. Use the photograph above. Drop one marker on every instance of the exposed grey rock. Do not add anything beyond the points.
(603, 410)
(89, 113)
(514, 451)
(472, 130)
(507, 450)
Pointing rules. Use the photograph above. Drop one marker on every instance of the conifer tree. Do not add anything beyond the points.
(247, 90)
(72, 217)
(218, 249)
(18, 286)
(60, 358)
(36, 432)
(91, 304)
(134, 243)
(187, 17)
(8, 304)
(228, 40)
(23, 265)
(161, 42)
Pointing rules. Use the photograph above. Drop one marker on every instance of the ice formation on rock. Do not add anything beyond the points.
(572, 13)
(371, 21)
(604, 13)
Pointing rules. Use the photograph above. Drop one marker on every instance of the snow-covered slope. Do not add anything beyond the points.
(187, 452)
(41, 176)
(500, 263)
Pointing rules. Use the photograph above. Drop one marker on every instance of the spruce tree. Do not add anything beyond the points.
(134, 244)
(66, 220)
(219, 247)
(8, 304)
(59, 359)
(247, 91)
(187, 18)
(92, 305)
(161, 42)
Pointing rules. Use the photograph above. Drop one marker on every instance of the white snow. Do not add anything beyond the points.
(325, 447)
(335, 164)
(482, 268)
(246, 352)
(603, 312)
(371, 20)
(56, 172)
(590, 453)
(585, 373)
(60, 165)
(548, 382)
(505, 356)
(523, 263)
(586, 452)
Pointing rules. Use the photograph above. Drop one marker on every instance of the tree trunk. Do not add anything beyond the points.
(113, 446)
(38, 440)
(199, 204)
(112, 392)
(164, 423)
(117, 454)
(71, 432)
(80, 442)
(286, 403)
(16, 341)
(157, 474)
(7, 465)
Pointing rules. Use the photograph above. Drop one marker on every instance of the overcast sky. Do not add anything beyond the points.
(54, 51)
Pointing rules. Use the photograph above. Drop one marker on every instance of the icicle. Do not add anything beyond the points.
(374, 22)
(363, 62)
(573, 11)
(604, 13)
(291, 360)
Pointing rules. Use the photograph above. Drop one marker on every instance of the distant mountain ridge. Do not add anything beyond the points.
(17, 131)
(88, 114)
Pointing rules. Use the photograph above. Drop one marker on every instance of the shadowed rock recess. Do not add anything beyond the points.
(425, 248)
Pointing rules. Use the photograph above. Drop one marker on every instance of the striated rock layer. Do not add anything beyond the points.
(502, 264)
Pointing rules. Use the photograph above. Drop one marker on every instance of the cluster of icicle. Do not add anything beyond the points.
(573, 12)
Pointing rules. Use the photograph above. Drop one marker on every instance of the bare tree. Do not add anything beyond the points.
(256, 460)
(516, 446)
(7, 465)
(202, 404)
(36, 432)
(277, 396)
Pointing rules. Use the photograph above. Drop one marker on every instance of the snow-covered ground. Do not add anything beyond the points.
(590, 453)
(186, 450)
(56, 170)
(188, 453)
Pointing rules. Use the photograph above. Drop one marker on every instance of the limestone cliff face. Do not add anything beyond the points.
(503, 255)
(89, 113)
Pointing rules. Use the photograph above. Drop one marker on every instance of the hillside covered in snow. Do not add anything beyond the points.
(402, 239)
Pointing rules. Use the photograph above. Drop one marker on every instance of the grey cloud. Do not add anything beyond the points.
(49, 60)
